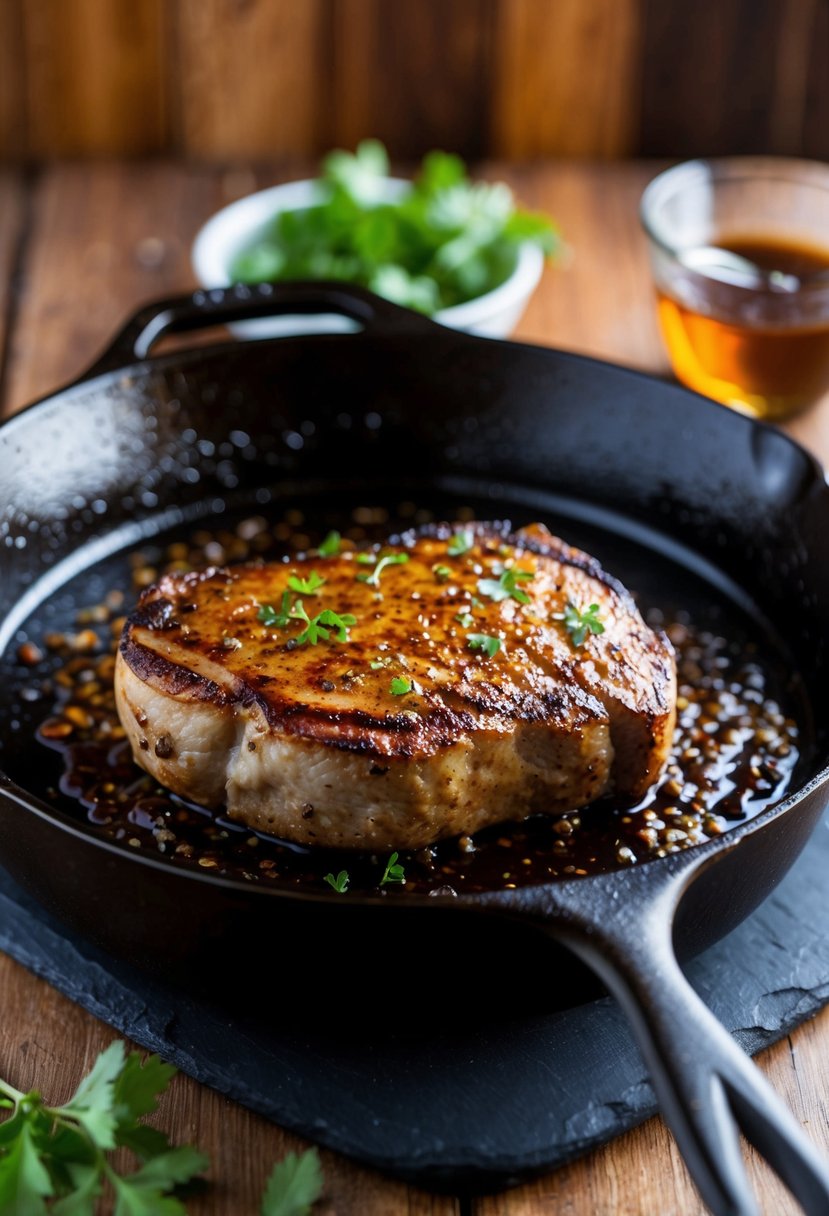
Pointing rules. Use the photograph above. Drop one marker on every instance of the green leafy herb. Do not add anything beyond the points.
(484, 642)
(320, 626)
(389, 559)
(444, 240)
(280, 617)
(465, 618)
(376, 664)
(340, 883)
(306, 586)
(62, 1152)
(393, 872)
(294, 1186)
(461, 543)
(506, 587)
(442, 573)
(330, 547)
(579, 624)
(399, 686)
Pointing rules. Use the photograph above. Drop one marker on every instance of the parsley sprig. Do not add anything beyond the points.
(294, 1186)
(461, 543)
(506, 587)
(62, 1155)
(484, 642)
(579, 624)
(339, 882)
(278, 617)
(400, 685)
(62, 1152)
(393, 872)
(320, 626)
(330, 547)
(292, 608)
(306, 586)
(388, 559)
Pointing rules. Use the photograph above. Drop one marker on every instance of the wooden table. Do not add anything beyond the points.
(80, 247)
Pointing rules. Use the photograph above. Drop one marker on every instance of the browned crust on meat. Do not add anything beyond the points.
(538, 677)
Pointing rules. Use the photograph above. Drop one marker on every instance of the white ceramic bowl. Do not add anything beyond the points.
(235, 227)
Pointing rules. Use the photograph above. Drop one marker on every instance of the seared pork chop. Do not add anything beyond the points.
(391, 698)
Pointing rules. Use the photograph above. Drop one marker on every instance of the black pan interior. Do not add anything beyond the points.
(685, 501)
(669, 582)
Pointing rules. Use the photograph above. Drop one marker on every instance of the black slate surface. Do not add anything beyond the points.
(476, 1107)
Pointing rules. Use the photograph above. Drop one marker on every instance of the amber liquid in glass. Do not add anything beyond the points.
(761, 351)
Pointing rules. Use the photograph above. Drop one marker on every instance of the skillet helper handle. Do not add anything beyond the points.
(708, 1089)
(242, 302)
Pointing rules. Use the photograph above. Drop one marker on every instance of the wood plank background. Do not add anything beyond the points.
(228, 80)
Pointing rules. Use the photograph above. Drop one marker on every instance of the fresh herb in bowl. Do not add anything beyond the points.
(429, 244)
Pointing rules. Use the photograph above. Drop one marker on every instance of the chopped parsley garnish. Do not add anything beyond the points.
(340, 883)
(390, 559)
(306, 586)
(321, 625)
(399, 686)
(464, 618)
(376, 664)
(442, 573)
(484, 642)
(393, 872)
(506, 587)
(280, 617)
(461, 543)
(330, 547)
(579, 624)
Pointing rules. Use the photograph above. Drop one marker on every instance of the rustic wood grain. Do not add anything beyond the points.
(100, 242)
(107, 241)
(222, 80)
(95, 77)
(12, 99)
(248, 78)
(739, 77)
(600, 281)
(642, 1173)
(12, 234)
(413, 75)
(564, 78)
(48, 1043)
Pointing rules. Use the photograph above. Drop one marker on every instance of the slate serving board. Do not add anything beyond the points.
(477, 1109)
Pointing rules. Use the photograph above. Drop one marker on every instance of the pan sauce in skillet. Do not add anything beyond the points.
(737, 741)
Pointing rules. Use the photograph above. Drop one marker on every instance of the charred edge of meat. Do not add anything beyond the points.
(344, 730)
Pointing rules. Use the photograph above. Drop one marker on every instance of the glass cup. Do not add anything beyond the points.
(739, 249)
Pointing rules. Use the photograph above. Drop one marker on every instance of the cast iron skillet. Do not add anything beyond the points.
(409, 405)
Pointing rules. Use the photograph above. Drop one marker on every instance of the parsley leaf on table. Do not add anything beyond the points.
(61, 1152)
(294, 1186)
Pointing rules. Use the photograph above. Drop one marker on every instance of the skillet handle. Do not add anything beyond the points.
(223, 305)
(707, 1087)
